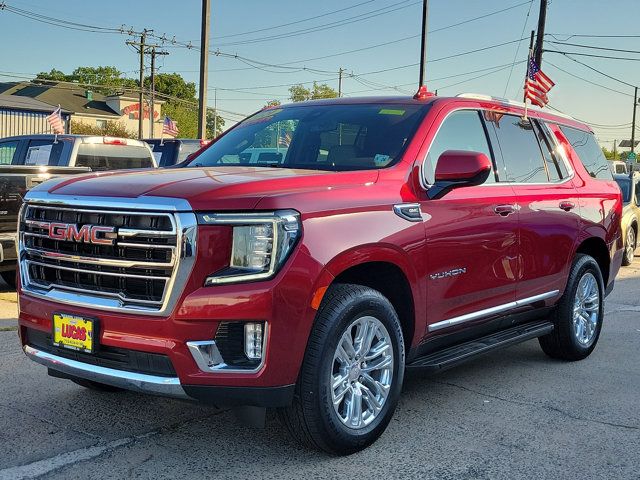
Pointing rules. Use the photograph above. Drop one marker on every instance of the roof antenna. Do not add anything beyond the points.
(422, 92)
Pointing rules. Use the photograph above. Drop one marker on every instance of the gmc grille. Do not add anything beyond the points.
(136, 272)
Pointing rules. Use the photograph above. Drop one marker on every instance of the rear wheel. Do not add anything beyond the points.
(9, 278)
(629, 246)
(352, 373)
(579, 315)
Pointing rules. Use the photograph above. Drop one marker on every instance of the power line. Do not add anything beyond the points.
(340, 23)
(595, 47)
(315, 17)
(589, 81)
(515, 56)
(600, 72)
(592, 55)
(570, 36)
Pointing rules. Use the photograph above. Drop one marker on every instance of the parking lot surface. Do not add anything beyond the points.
(512, 414)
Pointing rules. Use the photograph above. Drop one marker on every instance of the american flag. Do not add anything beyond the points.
(537, 85)
(55, 120)
(170, 127)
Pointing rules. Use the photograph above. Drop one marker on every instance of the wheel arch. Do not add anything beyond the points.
(597, 248)
(387, 270)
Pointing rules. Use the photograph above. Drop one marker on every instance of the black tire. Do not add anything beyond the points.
(9, 278)
(96, 386)
(311, 419)
(630, 239)
(563, 342)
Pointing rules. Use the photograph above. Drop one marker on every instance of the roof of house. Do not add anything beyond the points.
(70, 97)
(15, 102)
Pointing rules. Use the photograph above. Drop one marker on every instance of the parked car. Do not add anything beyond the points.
(170, 151)
(28, 160)
(618, 167)
(396, 233)
(630, 214)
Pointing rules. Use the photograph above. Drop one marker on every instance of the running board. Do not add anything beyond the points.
(452, 356)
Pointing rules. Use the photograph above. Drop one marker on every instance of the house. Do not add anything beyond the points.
(20, 115)
(82, 105)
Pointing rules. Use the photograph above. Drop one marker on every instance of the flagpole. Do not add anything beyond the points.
(55, 132)
(524, 93)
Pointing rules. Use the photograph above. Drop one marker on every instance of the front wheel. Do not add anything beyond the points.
(629, 247)
(352, 373)
(579, 315)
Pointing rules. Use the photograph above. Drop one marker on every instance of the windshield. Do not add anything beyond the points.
(625, 186)
(319, 137)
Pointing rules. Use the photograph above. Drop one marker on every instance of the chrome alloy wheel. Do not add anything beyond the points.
(586, 309)
(362, 372)
(631, 244)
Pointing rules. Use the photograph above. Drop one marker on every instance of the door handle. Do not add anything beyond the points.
(504, 210)
(567, 205)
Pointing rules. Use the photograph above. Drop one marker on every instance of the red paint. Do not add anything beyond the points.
(348, 220)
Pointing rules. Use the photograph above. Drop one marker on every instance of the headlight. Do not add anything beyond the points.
(261, 243)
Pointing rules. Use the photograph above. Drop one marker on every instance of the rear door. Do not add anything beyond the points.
(549, 220)
(471, 232)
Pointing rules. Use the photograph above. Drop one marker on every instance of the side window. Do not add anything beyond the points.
(43, 152)
(520, 150)
(462, 130)
(7, 151)
(556, 169)
(589, 151)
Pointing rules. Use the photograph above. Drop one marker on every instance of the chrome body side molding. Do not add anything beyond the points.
(491, 311)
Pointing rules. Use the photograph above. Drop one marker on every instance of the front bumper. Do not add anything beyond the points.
(165, 386)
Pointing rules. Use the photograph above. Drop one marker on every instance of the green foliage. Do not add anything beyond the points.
(112, 129)
(182, 108)
(273, 103)
(299, 93)
(110, 79)
(174, 85)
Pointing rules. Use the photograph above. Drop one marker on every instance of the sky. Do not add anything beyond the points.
(239, 27)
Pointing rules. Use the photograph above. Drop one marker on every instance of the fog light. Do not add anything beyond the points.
(253, 340)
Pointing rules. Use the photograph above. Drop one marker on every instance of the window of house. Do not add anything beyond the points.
(102, 124)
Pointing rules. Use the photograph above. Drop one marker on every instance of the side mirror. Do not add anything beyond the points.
(458, 168)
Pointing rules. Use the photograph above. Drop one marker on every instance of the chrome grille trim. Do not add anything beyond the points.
(181, 251)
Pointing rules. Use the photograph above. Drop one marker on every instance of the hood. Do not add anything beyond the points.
(206, 188)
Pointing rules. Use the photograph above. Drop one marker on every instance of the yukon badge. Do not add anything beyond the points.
(449, 273)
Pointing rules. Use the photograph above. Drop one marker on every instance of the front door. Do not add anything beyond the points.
(472, 242)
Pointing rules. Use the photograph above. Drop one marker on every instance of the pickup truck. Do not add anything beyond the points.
(27, 160)
(392, 233)
(170, 151)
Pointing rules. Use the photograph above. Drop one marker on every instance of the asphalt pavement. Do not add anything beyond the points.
(514, 414)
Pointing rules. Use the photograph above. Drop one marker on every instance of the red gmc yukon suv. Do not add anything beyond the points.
(315, 251)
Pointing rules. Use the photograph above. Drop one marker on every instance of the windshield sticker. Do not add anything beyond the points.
(380, 160)
(391, 111)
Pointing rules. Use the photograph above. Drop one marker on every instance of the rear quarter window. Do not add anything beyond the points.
(589, 152)
(100, 157)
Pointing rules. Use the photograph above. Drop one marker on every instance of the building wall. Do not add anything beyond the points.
(22, 122)
(129, 110)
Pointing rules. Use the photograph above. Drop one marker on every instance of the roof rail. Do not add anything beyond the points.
(480, 96)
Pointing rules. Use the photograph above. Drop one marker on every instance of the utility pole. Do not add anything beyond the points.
(152, 108)
(340, 81)
(141, 50)
(542, 18)
(615, 150)
(215, 113)
(423, 44)
(633, 121)
(204, 67)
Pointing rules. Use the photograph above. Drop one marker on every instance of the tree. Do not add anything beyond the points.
(109, 79)
(112, 129)
(272, 103)
(174, 85)
(219, 123)
(299, 93)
